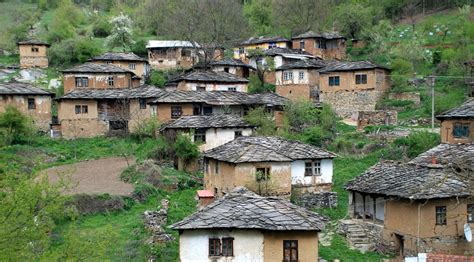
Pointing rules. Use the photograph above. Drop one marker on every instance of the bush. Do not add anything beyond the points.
(144, 190)
(157, 78)
(89, 204)
(72, 51)
(147, 128)
(185, 149)
(256, 86)
(418, 142)
(161, 150)
(262, 120)
(14, 126)
(101, 26)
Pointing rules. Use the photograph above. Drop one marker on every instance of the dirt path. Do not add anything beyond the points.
(94, 177)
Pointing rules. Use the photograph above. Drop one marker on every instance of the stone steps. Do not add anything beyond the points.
(356, 235)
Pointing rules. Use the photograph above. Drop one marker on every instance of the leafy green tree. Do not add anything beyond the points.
(259, 15)
(418, 142)
(157, 78)
(121, 32)
(185, 149)
(352, 18)
(262, 120)
(66, 18)
(14, 125)
(28, 208)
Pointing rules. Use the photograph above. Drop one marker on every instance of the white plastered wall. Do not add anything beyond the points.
(219, 136)
(298, 169)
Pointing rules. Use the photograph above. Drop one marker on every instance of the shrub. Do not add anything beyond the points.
(147, 128)
(89, 204)
(157, 78)
(257, 86)
(161, 150)
(144, 190)
(418, 142)
(185, 149)
(262, 120)
(14, 126)
(73, 51)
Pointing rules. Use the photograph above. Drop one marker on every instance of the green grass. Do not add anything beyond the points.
(340, 250)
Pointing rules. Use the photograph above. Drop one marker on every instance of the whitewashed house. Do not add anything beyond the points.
(209, 81)
(243, 226)
(209, 131)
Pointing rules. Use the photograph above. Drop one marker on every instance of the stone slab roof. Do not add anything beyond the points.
(211, 121)
(32, 42)
(231, 62)
(209, 76)
(222, 98)
(242, 209)
(335, 66)
(18, 88)
(144, 91)
(266, 149)
(448, 155)
(325, 35)
(286, 51)
(97, 68)
(117, 56)
(303, 64)
(169, 44)
(263, 39)
(466, 110)
(410, 181)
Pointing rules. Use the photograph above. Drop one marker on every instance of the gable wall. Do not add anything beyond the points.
(41, 115)
(97, 81)
(447, 127)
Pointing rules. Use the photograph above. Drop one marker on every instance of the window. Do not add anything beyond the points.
(110, 80)
(31, 104)
(201, 88)
(228, 247)
(461, 130)
(131, 66)
(263, 174)
(81, 109)
(290, 250)
(142, 103)
(241, 50)
(312, 168)
(176, 112)
(237, 134)
(232, 88)
(334, 81)
(35, 49)
(441, 215)
(200, 135)
(217, 167)
(470, 213)
(301, 75)
(196, 111)
(226, 69)
(108, 62)
(207, 110)
(287, 76)
(82, 82)
(272, 45)
(301, 44)
(361, 79)
(214, 247)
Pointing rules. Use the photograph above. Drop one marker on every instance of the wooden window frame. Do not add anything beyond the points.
(302, 44)
(232, 88)
(291, 250)
(132, 66)
(441, 214)
(214, 249)
(84, 109)
(176, 112)
(31, 104)
(81, 81)
(199, 135)
(287, 76)
(110, 81)
(265, 174)
(77, 109)
(217, 168)
(301, 75)
(334, 81)
(470, 213)
(201, 88)
(207, 110)
(463, 125)
(315, 167)
(227, 247)
(142, 103)
(34, 49)
(361, 79)
(237, 133)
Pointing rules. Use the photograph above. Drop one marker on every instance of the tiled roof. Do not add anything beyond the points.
(209, 76)
(335, 66)
(117, 56)
(303, 64)
(263, 39)
(96, 68)
(32, 42)
(218, 120)
(144, 91)
(263, 149)
(222, 98)
(420, 178)
(243, 209)
(169, 43)
(231, 62)
(285, 51)
(18, 88)
(466, 110)
(325, 35)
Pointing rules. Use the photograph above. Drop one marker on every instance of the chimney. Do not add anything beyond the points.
(433, 160)
(205, 198)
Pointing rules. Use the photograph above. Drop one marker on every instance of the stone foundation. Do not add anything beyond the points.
(317, 199)
(347, 104)
(376, 118)
(365, 236)
(406, 96)
(33, 61)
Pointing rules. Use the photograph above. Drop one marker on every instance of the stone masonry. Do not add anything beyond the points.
(348, 103)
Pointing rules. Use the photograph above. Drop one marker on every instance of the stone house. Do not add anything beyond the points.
(267, 165)
(457, 124)
(327, 45)
(30, 100)
(33, 53)
(233, 66)
(173, 105)
(171, 54)
(98, 76)
(263, 43)
(421, 206)
(243, 226)
(208, 131)
(130, 61)
(350, 87)
(209, 81)
(299, 80)
(97, 112)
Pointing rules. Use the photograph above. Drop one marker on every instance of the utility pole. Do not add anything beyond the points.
(431, 80)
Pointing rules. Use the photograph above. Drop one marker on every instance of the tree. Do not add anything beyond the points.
(259, 15)
(14, 125)
(262, 120)
(121, 35)
(185, 149)
(352, 18)
(66, 18)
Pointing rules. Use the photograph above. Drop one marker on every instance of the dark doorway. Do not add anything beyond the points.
(400, 240)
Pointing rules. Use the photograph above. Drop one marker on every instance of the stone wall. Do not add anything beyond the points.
(347, 104)
(376, 118)
(316, 199)
(365, 236)
(33, 61)
(406, 96)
